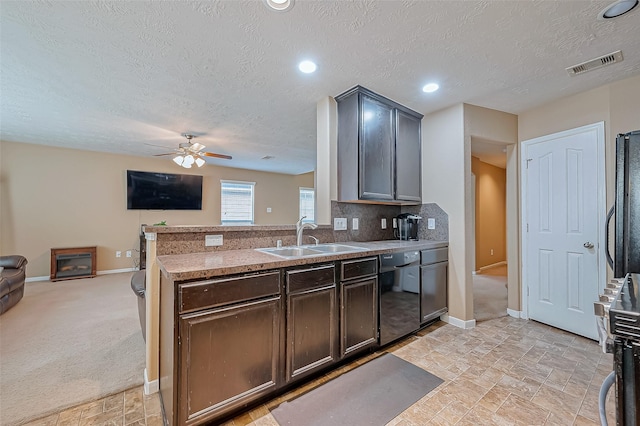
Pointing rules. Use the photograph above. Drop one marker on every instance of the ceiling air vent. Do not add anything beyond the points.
(609, 59)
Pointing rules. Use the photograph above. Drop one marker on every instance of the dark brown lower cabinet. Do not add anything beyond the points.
(312, 320)
(358, 315)
(233, 357)
(229, 341)
(221, 342)
(358, 305)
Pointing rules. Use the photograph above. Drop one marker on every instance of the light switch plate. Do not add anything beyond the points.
(212, 240)
(339, 224)
(431, 223)
(355, 224)
(383, 223)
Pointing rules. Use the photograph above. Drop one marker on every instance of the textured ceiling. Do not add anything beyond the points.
(120, 76)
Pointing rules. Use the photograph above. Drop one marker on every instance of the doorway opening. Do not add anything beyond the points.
(488, 167)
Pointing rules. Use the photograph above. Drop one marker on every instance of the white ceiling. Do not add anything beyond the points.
(116, 76)
(492, 152)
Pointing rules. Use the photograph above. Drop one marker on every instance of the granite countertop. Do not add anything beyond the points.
(193, 266)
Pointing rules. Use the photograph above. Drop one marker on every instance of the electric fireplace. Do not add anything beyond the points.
(72, 263)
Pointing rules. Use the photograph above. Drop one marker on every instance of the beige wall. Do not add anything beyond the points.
(616, 104)
(491, 211)
(443, 160)
(57, 197)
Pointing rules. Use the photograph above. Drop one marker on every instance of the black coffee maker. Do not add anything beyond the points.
(407, 227)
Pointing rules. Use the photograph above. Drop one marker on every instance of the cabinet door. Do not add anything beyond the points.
(311, 331)
(433, 292)
(358, 315)
(376, 149)
(408, 157)
(229, 357)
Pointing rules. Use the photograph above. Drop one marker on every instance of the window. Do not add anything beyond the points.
(236, 204)
(307, 204)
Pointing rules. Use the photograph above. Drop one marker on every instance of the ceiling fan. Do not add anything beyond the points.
(189, 153)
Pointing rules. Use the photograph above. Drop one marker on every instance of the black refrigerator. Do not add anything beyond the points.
(624, 310)
(626, 257)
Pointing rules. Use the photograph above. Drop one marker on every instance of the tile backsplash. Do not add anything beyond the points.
(192, 240)
(370, 217)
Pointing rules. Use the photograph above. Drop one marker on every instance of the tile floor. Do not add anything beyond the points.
(505, 371)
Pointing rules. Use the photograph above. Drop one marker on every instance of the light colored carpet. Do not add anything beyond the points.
(66, 343)
(490, 294)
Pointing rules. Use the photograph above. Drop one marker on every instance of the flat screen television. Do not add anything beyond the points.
(163, 191)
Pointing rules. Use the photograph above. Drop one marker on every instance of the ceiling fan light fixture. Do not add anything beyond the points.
(178, 159)
(617, 8)
(188, 161)
(199, 162)
(279, 5)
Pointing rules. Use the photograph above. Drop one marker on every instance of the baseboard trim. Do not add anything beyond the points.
(116, 271)
(465, 325)
(32, 279)
(493, 265)
(514, 313)
(150, 386)
(106, 272)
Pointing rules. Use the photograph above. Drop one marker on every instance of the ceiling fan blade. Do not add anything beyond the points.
(168, 153)
(195, 146)
(211, 154)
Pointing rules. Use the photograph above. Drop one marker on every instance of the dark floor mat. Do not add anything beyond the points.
(372, 394)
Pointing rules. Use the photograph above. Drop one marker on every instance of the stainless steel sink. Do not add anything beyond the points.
(290, 251)
(314, 250)
(336, 248)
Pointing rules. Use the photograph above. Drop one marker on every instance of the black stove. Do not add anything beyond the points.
(624, 311)
(620, 305)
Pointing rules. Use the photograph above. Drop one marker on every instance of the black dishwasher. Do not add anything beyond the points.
(399, 284)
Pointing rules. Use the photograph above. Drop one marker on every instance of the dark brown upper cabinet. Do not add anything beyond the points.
(379, 153)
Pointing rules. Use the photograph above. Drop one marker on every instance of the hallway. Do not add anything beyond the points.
(490, 293)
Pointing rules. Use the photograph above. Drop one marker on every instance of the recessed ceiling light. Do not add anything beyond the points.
(617, 8)
(430, 88)
(307, 67)
(279, 5)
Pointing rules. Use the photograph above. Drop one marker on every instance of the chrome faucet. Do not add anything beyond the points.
(300, 227)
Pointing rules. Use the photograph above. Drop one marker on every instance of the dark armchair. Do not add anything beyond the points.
(11, 281)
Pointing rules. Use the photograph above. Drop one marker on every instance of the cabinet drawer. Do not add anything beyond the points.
(351, 269)
(434, 255)
(306, 279)
(212, 293)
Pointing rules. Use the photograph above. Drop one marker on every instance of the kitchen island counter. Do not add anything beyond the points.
(197, 266)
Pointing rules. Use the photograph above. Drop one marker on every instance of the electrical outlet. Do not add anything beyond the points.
(431, 223)
(268, 209)
(383, 223)
(128, 254)
(339, 224)
(395, 223)
(212, 240)
(491, 252)
(355, 224)
(118, 253)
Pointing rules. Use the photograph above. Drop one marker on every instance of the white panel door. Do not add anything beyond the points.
(562, 200)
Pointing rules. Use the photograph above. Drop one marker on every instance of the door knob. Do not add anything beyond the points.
(588, 245)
